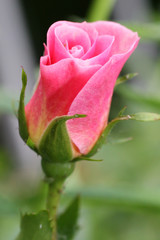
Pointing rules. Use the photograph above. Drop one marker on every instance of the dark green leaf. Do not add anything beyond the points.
(35, 227)
(125, 78)
(23, 131)
(55, 145)
(67, 221)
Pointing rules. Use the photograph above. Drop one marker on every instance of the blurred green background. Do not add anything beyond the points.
(121, 195)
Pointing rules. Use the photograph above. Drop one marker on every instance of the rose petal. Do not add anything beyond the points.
(99, 53)
(88, 28)
(77, 51)
(60, 34)
(94, 100)
(58, 86)
(73, 35)
(123, 36)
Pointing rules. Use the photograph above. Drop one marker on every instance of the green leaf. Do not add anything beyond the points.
(23, 131)
(145, 116)
(55, 144)
(125, 78)
(35, 227)
(67, 221)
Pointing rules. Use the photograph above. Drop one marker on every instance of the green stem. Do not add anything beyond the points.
(54, 192)
(57, 172)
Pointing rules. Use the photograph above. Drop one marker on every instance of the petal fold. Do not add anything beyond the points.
(58, 86)
(94, 100)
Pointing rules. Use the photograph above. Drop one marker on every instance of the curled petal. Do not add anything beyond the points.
(94, 100)
(124, 37)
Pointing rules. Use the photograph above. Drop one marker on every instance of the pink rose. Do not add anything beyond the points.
(77, 76)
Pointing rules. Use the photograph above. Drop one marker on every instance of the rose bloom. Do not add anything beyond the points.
(78, 73)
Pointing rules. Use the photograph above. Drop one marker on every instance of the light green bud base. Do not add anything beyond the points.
(57, 170)
(56, 174)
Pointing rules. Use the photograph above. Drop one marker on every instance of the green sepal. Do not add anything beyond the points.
(67, 221)
(141, 116)
(103, 136)
(23, 130)
(35, 227)
(31, 144)
(83, 157)
(125, 78)
(55, 144)
(120, 114)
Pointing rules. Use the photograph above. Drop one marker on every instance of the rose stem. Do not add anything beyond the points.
(54, 192)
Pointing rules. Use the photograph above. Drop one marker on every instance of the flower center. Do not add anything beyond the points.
(77, 51)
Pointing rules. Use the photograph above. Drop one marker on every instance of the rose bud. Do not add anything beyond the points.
(78, 73)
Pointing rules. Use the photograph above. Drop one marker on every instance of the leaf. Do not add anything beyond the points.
(125, 78)
(35, 227)
(67, 221)
(145, 116)
(55, 144)
(23, 131)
